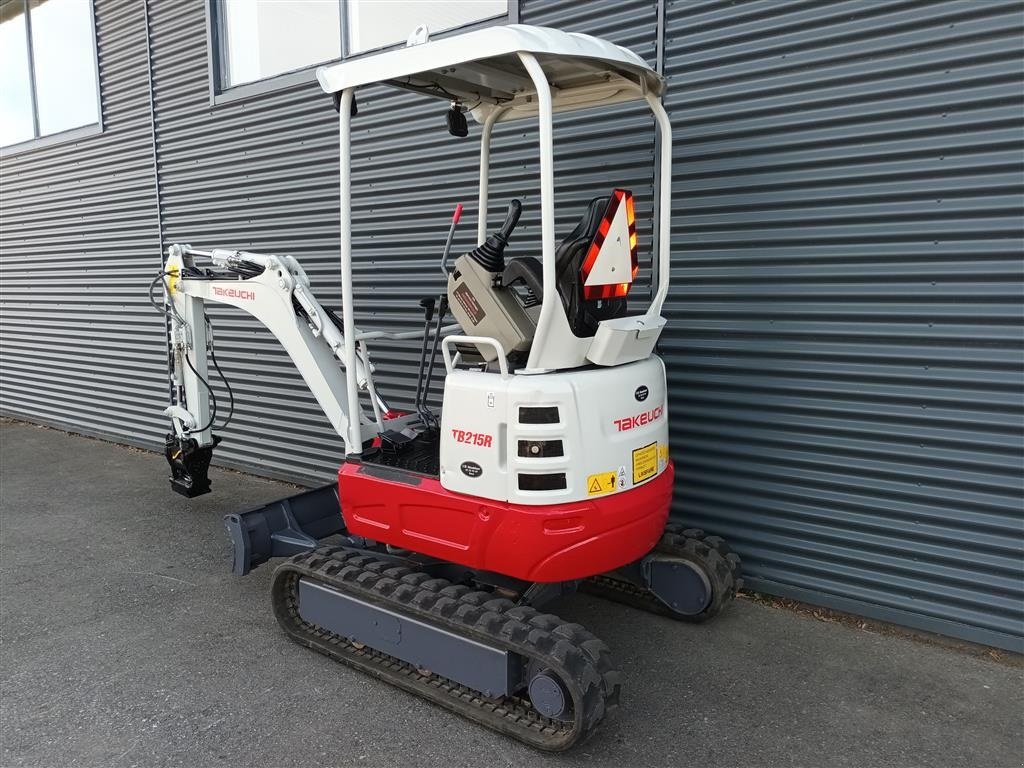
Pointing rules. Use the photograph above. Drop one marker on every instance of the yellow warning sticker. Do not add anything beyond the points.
(600, 484)
(645, 463)
(663, 453)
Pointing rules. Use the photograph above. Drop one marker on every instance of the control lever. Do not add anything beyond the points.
(448, 244)
(515, 210)
(491, 255)
(423, 385)
(428, 315)
(442, 310)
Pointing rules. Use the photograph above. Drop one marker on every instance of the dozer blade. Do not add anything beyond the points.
(283, 528)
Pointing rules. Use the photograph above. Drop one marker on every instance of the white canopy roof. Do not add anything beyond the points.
(483, 71)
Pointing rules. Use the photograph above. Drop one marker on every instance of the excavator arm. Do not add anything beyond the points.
(275, 290)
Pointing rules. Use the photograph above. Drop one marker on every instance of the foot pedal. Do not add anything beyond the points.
(393, 441)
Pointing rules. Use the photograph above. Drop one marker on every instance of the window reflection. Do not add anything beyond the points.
(62, 53)
(47, 68)
(377, 23)
(268, 37)
(263, 38)
(15, 90)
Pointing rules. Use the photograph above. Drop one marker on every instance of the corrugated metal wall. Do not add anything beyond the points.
(846, 317)
(79, 344)
(845, 341)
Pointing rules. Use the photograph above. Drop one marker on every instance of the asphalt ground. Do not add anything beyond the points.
(125, 641)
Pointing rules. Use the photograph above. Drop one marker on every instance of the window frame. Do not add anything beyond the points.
(217, 50)
(70, 134)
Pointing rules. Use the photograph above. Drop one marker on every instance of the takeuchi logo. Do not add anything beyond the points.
(234, 293)
(640, 420)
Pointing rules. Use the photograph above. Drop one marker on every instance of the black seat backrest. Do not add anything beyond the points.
(583, 314)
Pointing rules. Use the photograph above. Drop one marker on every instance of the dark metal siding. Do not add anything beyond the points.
(79, 345)
(845, 344)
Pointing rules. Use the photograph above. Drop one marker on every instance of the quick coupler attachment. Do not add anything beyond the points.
(283, 528)
(190, 464)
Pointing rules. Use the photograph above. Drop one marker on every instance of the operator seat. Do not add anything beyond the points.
(583, 314)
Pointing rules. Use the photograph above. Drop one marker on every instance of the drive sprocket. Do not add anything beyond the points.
(709, 554)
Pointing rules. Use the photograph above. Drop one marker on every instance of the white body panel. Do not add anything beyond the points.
(624, 339)
(602, 421)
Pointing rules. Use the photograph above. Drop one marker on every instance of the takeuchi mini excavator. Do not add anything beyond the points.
(547, 469)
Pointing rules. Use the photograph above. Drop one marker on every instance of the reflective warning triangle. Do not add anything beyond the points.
(612, 264)
(611, 261)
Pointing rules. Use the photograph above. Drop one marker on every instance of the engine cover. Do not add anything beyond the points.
(564, 436)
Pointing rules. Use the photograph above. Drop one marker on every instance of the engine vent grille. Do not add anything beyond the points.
(554, 481)
(532, 414)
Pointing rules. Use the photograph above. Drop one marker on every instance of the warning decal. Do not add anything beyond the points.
(469, 304)
(645, 463)
(600, 484)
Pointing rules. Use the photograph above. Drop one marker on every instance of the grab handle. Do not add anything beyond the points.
(449, 341)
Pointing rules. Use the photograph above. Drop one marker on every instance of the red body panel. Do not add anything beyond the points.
(555, 542)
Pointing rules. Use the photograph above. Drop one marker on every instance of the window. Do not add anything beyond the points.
(263, 38)
(48, 81)
(376, 23)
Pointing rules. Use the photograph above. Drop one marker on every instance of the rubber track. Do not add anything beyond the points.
(711, 553)
(582, 661)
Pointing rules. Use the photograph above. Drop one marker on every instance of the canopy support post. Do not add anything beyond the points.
(353, 440)
(664, 205)
(550, 302)
(485, 174)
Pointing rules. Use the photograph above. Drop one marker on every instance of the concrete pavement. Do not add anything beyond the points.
(127, 642)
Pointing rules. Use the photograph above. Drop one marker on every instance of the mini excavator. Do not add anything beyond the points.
(546, 471)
